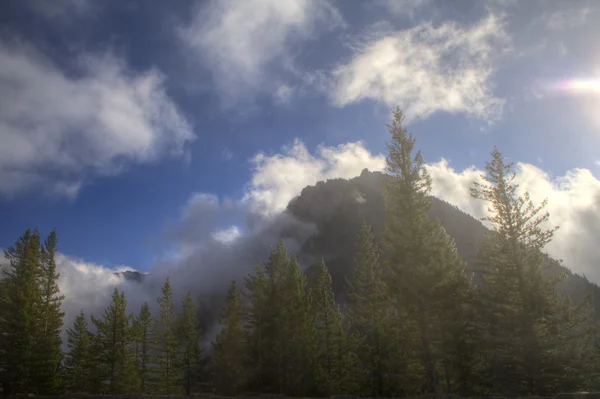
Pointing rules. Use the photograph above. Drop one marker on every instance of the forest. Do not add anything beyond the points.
(414, 321)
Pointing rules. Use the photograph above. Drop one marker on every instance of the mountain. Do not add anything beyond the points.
(338, 208)
(131, 275)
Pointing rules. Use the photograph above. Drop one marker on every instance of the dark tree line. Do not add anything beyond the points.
(414, 323)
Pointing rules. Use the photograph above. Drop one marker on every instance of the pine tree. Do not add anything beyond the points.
(296, 341)
(166, 348)
(143, 339)
(287, 334)
(536, 336)
(336, 358)
(425, 272)
(230, 349)
(112, 341)
(190, 335)
(20, 300)
(256, 318)
(48, 340)
(78, 368)
(369, 314)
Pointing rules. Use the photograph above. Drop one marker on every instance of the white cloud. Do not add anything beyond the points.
(573, 204)
(227, 235)
(426, 69)
(59, 130)
(278, 178)
(241, 40)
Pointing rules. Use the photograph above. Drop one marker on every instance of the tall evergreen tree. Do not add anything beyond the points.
(336, 365)
(230, 349)
(143, 340)
(425, 272)
(287, 332)
(112, 341)
(536, 337)
(166, 348)
(190, 335)
(256, 320)
(19, 306)
(78, 367)
(48, 340)
(369, 314)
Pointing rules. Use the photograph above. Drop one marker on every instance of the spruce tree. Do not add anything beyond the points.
(256, 320)
(536, 337)
(48, 346)
(166, 348)
(78, 367)
(369, 314)
(112, 342)
(336, 357)
(230, 348)
(20, 301)
(190, 336)
(143, 339)
(424, 270)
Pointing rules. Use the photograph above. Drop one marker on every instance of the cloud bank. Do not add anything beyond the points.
(59, 130)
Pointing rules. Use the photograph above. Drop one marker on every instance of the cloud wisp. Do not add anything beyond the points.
(426, 69)
(59, 130)
(244, 43)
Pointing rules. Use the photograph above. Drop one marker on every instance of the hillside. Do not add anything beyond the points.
(338, 208)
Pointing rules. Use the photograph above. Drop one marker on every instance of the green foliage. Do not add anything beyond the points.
(142, 338)
(256, 320)
(335, 369)
(190, 335)
(48, 341)
(167, 360)
(370, 316)
(111, 346)
(230, 349)
(536, 338)
(30, 316)
(425, 274)
(78, 367)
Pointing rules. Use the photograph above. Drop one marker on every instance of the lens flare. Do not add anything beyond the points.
(580, 86)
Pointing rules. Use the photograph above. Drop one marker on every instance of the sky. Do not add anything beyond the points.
(146, 132)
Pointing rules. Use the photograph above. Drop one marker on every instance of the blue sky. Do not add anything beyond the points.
(117, 118)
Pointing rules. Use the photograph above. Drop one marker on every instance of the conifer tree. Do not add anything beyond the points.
(288, 337)
(112, 341)
(336, 357)
(190, 335)
(19, 306)
(166, 348)
(535, 335)
(78, 367)
(369, 314)
(425, 272)
(296, 341)
(143, 339)
(230, 349)
(48, 341)
(256, 318)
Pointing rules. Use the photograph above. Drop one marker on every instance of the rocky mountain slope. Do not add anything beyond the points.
(338, 208)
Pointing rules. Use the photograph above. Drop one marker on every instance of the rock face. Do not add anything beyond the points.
(131, 275)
